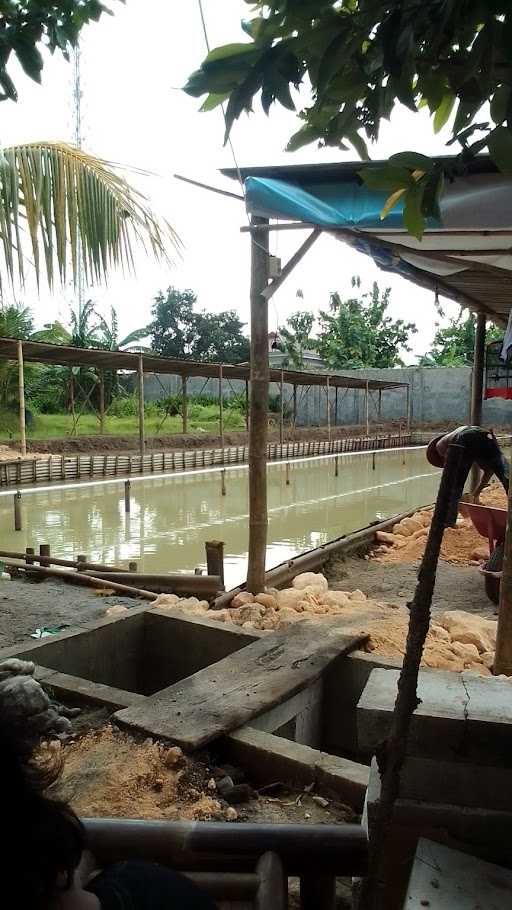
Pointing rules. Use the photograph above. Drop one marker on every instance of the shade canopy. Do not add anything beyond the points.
(467, 256)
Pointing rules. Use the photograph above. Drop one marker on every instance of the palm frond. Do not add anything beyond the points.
(61, 203)
(136, 335)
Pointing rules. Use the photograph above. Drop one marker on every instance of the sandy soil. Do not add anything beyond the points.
(10, 453)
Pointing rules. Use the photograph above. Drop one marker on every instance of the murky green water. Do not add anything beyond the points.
(172, 517)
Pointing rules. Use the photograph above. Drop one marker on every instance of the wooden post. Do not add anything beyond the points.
(258, 428)
(184, 405)
(223, 482)
(281, 417)
(408, 407)
(294, 406)
(72, 401)
(17, 512)
(503, 655)
(132, 566)
(336, 466)
(287, 473)
(367, 408)
(21, 390)
(328, 393)
(140, 377)
(247, 404)
(215, 558)
(101, 378)
(44, 551)
(477, 385)
(336, 406)
(81, 559)
(127, 501)
(221, 412)
(29, 558)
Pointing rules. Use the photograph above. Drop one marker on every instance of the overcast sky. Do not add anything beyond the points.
(133, 65)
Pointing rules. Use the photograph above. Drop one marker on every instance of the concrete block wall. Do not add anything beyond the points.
(437, 394)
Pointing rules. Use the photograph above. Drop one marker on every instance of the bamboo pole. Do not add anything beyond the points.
(281, 416)
(221, 411)
(503, 655)
(90, 581)
(21, 391)
(72, 401)
(258, 428)
(140, 384)
(184, 405)
(102, 401)
(294, 406)
(127, 500)
(328, 394)
(380, 404)
(247, 404)
(408, 408)
(367, 409)
(407, 698)
(477, 384)
(18, 524)
(336, 406)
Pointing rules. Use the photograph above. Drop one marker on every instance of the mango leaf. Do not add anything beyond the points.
(442, 114)
(499, 103)
(302, 137)
(412, 160)
(391, 201)
(229, 50)
(434, 186)
(386, 177)
(500, 148)
(359, 144)
(413, 217)
(213, 100)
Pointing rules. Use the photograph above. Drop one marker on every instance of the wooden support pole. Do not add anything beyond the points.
(408, 408)
(294, 405)
(367, 409)
(336, 466)
(407, 697)
(477, 384)
(18, 525)
(140, 383)
(132, 566)
(215, 558)
(262, 238)
(184, 405)
(21, 392)
(29, 558)
(82, 561)
(127, 499)
(380, 404)
(223, 482)
(247, 404)
(336, 406)
(221, 411)
(503, 655)
(101, 378)
(287, 473)
(373, 461)
(328, 396)
(258, 428)
(281, 414)
(72, 401)
(44, 553)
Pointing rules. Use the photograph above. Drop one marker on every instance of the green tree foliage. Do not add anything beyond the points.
(357, 332)
(361, 59)
(296, 337)
(180, 332)
(454, 344)
(26, 25)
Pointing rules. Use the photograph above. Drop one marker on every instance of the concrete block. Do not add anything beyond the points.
(451, 880)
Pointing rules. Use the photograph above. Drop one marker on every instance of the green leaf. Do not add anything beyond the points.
(413, 160)
(30, 58)
(229, 50)
(387, 178)
(500, 148)
(442, 114)
(499, 103)
(213, 100)
(359, 144)
(413, 217)
(302, 137)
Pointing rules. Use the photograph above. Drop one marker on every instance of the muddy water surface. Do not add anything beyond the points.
(171, 517)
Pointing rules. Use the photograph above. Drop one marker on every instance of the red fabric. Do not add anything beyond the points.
(499, 393)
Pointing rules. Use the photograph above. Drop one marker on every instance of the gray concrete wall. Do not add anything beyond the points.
(439, 394)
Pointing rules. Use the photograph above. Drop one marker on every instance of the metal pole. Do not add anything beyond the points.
(281, 419)
(258, 427)
(367, 406)
(328, 393)
(102, 401)
(140, 372)
(21, 389)
(184, 405)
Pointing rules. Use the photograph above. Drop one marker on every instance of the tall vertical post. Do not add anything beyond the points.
(21, 389)
(367, 408)
(281, 416)
(328, 396)
(72, 401)
(101, 378)
(258, 427)
(408, 408)
(184, 405)
(294, 406)
(477, 385)
(247, 404)
(336, 406)
(380, 404)
(221, 410)
(140, 384)
(503, 655)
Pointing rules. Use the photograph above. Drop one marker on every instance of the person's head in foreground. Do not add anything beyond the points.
(44, 862)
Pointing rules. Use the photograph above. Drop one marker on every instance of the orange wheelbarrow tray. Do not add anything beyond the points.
(490, 523)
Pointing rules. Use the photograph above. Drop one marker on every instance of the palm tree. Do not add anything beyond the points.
(69, 210)
(110, 335)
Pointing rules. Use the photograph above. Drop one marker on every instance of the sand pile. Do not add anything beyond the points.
(459, 641)
(8, 454)
(107, 773)
(461, 545)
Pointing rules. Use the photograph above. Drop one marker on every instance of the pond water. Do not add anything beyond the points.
(171, 517)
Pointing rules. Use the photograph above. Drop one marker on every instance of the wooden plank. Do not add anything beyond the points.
(228, 694)
(447, 879)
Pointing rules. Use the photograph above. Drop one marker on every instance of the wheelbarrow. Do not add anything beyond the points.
(491, 524)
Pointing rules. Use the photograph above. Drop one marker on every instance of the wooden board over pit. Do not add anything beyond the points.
(229, 693)
(446, 879)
